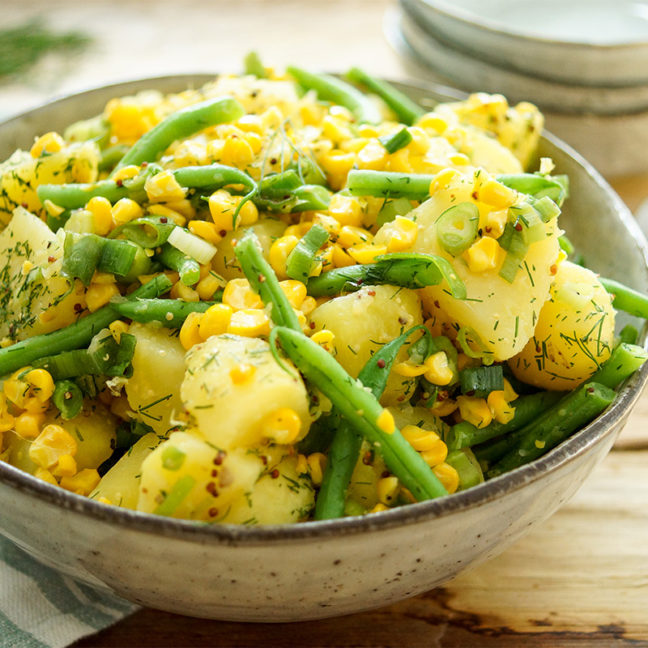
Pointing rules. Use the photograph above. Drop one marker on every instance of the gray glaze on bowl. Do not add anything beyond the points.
(319, 569)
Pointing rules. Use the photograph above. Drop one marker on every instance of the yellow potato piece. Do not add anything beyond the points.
(574, 334)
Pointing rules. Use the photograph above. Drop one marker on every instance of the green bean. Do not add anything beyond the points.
(329, 88)
(467, 467)
(538, 186)
(628, 334)
(362, 410)
(527, 408)
(149, 231)
(110, 157)
(81, 257)
(397, 141)
(285, 193)
(571, 413)
(626, 299)
(622, 363)
(171, 313)
(345, 448)
(302, 258)
(74, 336)
(179, 125)
(389, 184)
(74, 196)
(174, 259)
(409, 270)
(406, 110)
(253, 66)
(264, 281)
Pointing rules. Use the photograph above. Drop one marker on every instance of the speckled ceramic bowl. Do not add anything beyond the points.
(319, 569)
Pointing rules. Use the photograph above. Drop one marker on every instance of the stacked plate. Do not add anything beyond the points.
(583, 62)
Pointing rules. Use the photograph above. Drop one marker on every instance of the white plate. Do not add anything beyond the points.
(473, 74)
(587, 42)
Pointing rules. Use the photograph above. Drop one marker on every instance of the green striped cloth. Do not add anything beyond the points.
(41, 608)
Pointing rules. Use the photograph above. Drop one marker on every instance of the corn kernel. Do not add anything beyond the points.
(308, 305)
(125, 210)
(438, 371)
(387, 489)
(475, 411)
(336, 165)
(372, 156)
(181, 291)
(163, 187)
(53, 442)
(444, 407)
(459, 159)
(409, 370)
(436, 454)
(238, 294)
(207, 287)
(351, 235)
(28, 426)
(379, 508)
(242, 373)
(41, 383)
(509, 393)
(433, 122)
(222, 207)
(279, 252)
(183, 207)
(298, 230)
(206, 231)
(49, 143)
(301, 467)
(330, 224)
(400, 161)
(485, 254)
(46, 476)
(237, 152)
(215, 320)
(316, 465)
(101, 211)
(66, 466)
(250, 322)
(99, 295)
(335, 129)
(125, 173)
(448, 476)
(502, 411)
(250, 124)
(163, 210)
(496, 194)
(294, 290)
(347, 210)
(443, 180)
(282, 425)
(385, 422)
(340, 259)
(83, 483)
(402, 234)
(495, 223)
(52, 209)
(117, 328)
(367, 130)
(190, 331)
(366, 252)
(419, 438)
(325, 339)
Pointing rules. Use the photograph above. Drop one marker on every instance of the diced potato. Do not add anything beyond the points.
(280, 496)
(21, 174)
(363, 322)
(34, 297)
(488, 153)
(502, 314)
(187, 477)
(16, 452)
(120, 485)
(158, 369)
(225, 262)
(232, 383)
(574, 334)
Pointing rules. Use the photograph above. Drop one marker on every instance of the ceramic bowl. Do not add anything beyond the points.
(319, 569)
(585, 42)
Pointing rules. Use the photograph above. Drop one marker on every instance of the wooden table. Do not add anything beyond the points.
(582, 578)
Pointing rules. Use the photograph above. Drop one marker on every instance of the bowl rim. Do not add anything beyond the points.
(474, 21)
(604, 425)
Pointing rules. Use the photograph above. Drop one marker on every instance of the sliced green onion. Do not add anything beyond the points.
(67, 398)
(517, 250)
(193, 246)
(397, 141)
(81, 255)
(393, 208)
(149, 232)
(457, 227)
(253, 66)
(465, 336)
(481, 381)
(628, 334)
(125, 259)
(566, 245)
(467, 467)
(533, 228)
(175, 496)
(173, 458)
(302, 258)
(546, 207)
(174, 259)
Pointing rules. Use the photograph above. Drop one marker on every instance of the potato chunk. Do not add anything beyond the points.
(502, 314)
(187, 477)
(363, 322)
(153, 391)
(233, 383)
(574, 334)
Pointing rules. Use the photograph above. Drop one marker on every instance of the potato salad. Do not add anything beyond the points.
(288, 296)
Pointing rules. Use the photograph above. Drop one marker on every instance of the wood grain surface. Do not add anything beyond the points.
(580, 580)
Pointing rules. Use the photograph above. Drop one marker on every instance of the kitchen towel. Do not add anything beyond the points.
(42, 608)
